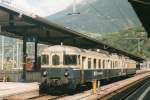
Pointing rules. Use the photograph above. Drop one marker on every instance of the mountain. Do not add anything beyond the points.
(98, 16)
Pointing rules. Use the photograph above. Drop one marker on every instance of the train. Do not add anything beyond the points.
(68, 66)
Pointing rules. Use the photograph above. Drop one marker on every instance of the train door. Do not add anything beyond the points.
(122, 68)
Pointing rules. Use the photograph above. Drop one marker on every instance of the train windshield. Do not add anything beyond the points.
(55, 60)
(44, 59)
(70, 59)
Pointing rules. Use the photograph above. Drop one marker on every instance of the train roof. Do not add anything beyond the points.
(77, 51)
(63, 48)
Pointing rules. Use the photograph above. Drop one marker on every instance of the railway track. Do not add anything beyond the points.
(137, 93)
(133, 91)
(47, 97)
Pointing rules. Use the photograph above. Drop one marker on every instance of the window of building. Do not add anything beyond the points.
(70, 60)
(45, 59)
(89, 63)
(94, 62)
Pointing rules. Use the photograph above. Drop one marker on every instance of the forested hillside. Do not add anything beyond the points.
(98, 16)
(133, 41)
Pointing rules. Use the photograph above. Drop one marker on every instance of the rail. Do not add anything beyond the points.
(47, 97)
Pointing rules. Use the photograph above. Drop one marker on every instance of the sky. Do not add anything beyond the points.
(42, 7)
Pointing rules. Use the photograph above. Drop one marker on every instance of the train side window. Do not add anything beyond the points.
(114, 64)
(89, 63)
(118, 63)
(103, 64)
(99, 63)
(78, 60)
(44, 59)
(70, 60)
(108, 64)
(94, 61)
(111, 64)
(55, 60)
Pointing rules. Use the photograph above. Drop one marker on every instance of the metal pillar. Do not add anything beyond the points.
(35, 55)
(17, 55)
(13, 56)
(3, 39)
(24, 58)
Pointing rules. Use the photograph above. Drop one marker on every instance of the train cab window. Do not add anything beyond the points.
(44, 60)
(55, 60)
(70, 60)
(89, 63)
(99, 63)
(94, 61)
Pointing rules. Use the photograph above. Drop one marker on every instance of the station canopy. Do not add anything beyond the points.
(17, 24)
(142, 9)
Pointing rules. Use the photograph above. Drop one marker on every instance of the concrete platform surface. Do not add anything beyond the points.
(143, 70)
(10, 90)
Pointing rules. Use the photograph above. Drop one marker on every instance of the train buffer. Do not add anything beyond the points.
(104, 92)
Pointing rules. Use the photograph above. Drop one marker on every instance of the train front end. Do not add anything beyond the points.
(57, 77)
(59, 68)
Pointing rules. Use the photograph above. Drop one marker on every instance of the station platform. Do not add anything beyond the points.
(142, 70)
(18, 91)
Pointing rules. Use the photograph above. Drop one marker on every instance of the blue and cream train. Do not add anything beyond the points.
(70, 66)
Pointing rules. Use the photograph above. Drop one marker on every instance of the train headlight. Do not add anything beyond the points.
(44, 73)
(66, 74)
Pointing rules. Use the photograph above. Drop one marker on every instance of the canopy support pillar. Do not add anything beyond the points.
(24, 58)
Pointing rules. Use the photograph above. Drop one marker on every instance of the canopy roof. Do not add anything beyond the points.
(142, 9)
(16, 23)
